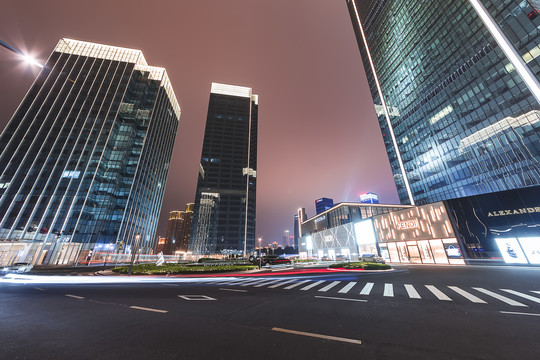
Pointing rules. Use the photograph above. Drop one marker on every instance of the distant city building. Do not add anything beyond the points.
(285, 239)
(84, 159)
(369, 198)
(175, 226)
(224, 211)
(179, 230)
(323, 204)
(161, 245)
(456, 91)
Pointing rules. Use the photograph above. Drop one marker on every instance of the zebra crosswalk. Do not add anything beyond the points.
(449, 293)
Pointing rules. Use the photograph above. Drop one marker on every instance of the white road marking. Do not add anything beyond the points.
(388, 290)
(320, 336)
(253, 282)
(535, 291)
(467, 295)
(438, 293)
(500, 297)
(75, 296)
(312, 285)
(236, 290)
(329, 286)
(413, 294)
(518, 313)
(170, 285)
(268, 282)
(39, 289)
(281, 283)
(148, 309)
(196, 297)
(338, 298)
(525, 296)
(347, 287)
(367, 289)
(297, 284)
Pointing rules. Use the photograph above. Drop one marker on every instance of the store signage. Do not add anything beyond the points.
(514, 211)
(320, 219)
(410, 224)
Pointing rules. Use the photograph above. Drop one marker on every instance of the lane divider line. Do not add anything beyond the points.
(148, 309)
(518, 313)
(235, 290)
(75, 296)
(319, 336)
(338, 298)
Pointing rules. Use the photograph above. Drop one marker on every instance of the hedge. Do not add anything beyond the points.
(360, 265)
(152, 269)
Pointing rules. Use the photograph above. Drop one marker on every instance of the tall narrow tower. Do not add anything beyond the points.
(224, 212)
(84, 159)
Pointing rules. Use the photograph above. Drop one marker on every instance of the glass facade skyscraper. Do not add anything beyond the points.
(224, 213)
(84, 159)
(456, 91)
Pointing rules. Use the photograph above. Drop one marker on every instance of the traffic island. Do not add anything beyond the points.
(178, 269)
(359, 265)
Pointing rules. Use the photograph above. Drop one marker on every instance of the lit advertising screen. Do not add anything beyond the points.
(364, 233)
(531, 247)
(511, 251)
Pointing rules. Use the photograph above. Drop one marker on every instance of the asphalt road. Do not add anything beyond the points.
(417, 312)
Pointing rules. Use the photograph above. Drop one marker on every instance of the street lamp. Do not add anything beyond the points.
(260, 252)
(26, 57)
(133, 252)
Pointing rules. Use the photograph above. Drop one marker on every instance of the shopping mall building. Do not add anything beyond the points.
(493, 228)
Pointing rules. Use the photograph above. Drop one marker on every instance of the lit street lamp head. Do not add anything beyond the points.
(27, 58)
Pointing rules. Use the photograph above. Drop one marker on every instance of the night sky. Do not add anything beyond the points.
(318, 133)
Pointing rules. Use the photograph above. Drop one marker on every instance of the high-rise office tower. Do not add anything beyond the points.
(456, 90)
(224, 212)
(323, 204)
(84, 159)
(186, 229)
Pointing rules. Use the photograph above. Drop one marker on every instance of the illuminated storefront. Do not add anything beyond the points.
(421, 235)
(499, 227)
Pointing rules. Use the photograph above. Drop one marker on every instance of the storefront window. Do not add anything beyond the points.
(438, 251)
(531, 247)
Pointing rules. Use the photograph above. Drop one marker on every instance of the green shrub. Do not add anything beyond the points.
(152, 269)
(361, 265)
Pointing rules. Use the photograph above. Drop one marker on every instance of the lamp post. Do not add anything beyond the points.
(260, 252)
(134, 252)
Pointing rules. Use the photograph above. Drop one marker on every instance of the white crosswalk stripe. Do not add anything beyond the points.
(388, 290)
(535, 291)
(499, 297)
(438, 293)
(253, 282)
(347, 287)
(281, 284)
(267, 283)
(411, 291)
(329, 286)
(467, 295)
(525, 296)
(367, 289)
(297, 284)
(312, 285)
